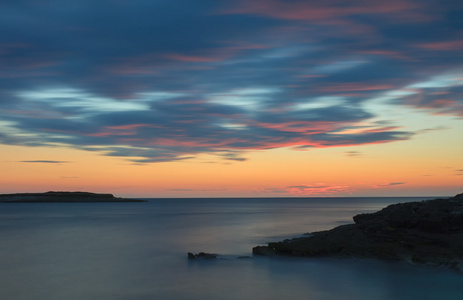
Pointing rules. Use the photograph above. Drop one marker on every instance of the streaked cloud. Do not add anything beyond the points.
(309, 190)
(317, 190)
(197, 190)
(354, 154)
(388, 184)
(443, 46)
(45, 161)
(149, 82)
(326, 10)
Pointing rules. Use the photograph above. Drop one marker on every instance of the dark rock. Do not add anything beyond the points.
(201, 255)
(426, 232)
(263, 250)
(62, 197)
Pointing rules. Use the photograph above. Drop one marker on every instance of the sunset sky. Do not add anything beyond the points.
(232, 98)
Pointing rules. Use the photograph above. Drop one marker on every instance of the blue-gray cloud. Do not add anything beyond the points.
(390, 184)
(166, 80)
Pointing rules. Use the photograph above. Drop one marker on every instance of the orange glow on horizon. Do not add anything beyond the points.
(269, 173)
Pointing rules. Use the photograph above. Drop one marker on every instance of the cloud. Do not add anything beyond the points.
(149, 82)
(388, 184)
(443, 46)
(396, 183)
(45, 161)
(309, 190)
(351, 87)
(233, 157)
(318, 190)
(442, 95)
(327, 10)
(173, 128)
(354, 153)
(196, 190)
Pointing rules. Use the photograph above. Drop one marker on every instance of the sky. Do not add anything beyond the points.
(232, 98)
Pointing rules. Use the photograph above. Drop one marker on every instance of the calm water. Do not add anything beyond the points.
(137, 251)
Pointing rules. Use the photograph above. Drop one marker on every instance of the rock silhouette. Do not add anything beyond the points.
(201, 255)
(425, 232)
(63, 197)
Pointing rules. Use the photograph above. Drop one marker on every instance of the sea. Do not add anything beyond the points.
(138, 251)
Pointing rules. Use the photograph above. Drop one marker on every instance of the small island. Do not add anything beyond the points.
(62, 197)
(425, 232)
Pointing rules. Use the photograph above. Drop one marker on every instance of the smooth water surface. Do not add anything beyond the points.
(56, 251)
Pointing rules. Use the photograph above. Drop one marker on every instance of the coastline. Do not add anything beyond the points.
(425, 232)
(62, 197)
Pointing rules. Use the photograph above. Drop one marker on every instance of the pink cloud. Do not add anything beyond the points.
(177, 141)
(129, 127)
(191, 58)
(300, 126)
(119, 130)
(156, 63)
(356, 86)
(308, 190)
(393, 54)
(440, 103)
(443, 46)
(382, 129)
(312, 76)
(437, 101)
(229, 49)
(328, 9)
(317, 190)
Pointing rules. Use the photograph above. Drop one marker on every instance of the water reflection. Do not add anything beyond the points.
(129, 251)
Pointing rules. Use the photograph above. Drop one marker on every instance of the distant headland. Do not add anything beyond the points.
(62, 197)
(425, 232)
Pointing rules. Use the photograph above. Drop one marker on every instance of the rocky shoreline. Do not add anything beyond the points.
(62, 197)
(425, 232)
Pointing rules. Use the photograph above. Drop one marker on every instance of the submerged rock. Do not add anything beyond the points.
(425, 232)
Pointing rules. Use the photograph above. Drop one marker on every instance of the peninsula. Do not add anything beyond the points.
(425, 232)
(62, 197)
